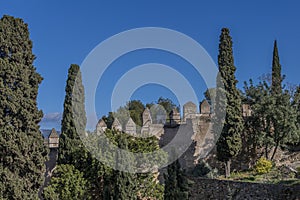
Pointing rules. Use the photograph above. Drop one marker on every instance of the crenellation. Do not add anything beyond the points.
(101, 127)
(189, 111)
(130, 127)
(117, 125)
(197, 127)
(147, 120)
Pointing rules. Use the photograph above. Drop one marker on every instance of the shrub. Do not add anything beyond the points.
(202, 169)
(66, 183)
(263, 166)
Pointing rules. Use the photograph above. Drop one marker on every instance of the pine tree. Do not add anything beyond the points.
(274, 118)
(276, 72)
(71, 148)
(284, 122)
(229, 142)
(22, 153)
(296, 103)
(296, 106)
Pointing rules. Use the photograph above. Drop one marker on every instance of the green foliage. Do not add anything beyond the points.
(161, 106)
(203, 169)
(66, 183)
(109, 120)
(117, 184)
(124, 185)
(71, 148)
(136, 109)
(263, 166)
(22, 153)
(274, 118)
(276, 72)
(176, 183)
(296, 106)
(229, 142)
(168, 104)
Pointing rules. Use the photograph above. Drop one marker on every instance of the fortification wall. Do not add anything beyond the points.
(221, 189)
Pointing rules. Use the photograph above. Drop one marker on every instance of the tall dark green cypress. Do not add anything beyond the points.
(229, 142)
(176, 183)
(276, 72)
(71, 148)
(125, 182)
(22, 153)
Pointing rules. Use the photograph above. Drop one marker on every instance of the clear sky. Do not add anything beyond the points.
(64, 32)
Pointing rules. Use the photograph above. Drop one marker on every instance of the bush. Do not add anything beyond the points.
(202, 169)
(263, 166)
(66, 183)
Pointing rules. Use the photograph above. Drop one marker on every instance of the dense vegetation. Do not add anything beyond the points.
(274, 124)
(22, 153)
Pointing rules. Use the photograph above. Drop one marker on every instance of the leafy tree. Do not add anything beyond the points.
(119, 183)
(22, 153)
(229, 142)
(257, 126)
(109, 120)
(66, 183)
(168, 104)
(274, 119)
(133, 109)
(284, 121)
(136, 109)
(296, 105)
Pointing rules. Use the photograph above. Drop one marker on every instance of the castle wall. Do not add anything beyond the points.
(222, 189)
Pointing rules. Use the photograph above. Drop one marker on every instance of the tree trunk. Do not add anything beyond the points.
(274, 152)
(267, 156)
(227, 168)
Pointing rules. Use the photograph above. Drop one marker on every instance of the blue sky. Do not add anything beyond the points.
(64, 32)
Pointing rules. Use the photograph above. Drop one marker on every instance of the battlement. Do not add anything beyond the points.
(196, 125)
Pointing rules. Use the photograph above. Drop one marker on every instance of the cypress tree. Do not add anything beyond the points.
(176, 184)
(276, 72)
(71, 148)
(124, 186)
(229, 142)
(22, 153)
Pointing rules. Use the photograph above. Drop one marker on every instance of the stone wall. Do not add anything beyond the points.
(221, 189)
